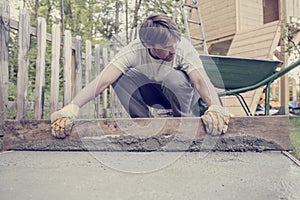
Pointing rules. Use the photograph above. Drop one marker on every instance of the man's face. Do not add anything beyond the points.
(166, 52)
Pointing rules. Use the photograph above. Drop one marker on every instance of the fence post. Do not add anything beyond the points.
(23, 64)
(97, 72)
(88, 73)
(113, 96)
(40, 69)
(104, 94)
(67, 67)
(78, 64)
(55, 56)
(4, 40)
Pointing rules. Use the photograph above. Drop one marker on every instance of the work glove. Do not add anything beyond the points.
(215, 120)
(62, 120)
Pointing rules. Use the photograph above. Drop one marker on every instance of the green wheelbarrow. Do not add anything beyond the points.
(238, 75)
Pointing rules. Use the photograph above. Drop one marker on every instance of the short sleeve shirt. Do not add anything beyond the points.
(135, 55)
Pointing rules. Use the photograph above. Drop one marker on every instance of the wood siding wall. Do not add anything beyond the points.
(293, 8)
(256, 43)
(219, 18)
(222, 19)
(250, 14)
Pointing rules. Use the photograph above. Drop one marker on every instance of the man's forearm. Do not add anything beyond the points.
(109, 75)
(204, 87)
(86, 94)
(208, 94)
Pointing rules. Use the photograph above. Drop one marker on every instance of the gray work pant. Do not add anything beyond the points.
(136, 92)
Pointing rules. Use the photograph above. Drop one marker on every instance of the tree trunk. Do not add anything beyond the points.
(135, 17)
(62, 17)
(117, 19)
(126, 23)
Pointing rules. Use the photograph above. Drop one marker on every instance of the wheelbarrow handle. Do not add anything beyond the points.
(266, 81)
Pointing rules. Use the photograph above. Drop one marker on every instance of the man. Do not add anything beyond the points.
(160, 69)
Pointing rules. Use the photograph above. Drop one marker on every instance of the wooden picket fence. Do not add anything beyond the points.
(94, 60)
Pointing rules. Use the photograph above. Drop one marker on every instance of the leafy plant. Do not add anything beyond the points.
(290, 30)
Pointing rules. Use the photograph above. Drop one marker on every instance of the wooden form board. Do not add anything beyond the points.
(156, 134)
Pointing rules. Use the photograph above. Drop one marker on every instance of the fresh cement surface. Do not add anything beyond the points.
(147, 175)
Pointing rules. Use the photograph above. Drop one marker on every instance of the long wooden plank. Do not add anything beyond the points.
(67, 72)
(97, 56)
(78, 60)
(4, 46)
(157, 134)
(87, 108)
(23, 63)
(40, 69)
(55, 56)
(104, 93)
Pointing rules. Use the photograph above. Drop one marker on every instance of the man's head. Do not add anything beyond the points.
(160, 34)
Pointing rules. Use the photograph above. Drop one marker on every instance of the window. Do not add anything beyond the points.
(271, 10)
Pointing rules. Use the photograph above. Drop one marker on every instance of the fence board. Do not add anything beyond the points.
(116, 108)
(104, 94)
(73, 69)
(67, 67)
(40, 69)
(88, 74)
(54, 91)
(113, 98)
(23, 63)
(4, 41)
(97, 72)
(78, 64)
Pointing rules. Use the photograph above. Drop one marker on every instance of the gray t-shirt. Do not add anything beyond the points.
(135, 55)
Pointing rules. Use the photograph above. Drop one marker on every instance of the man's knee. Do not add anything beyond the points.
(176, 80)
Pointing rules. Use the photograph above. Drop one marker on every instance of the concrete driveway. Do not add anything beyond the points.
(153, 175)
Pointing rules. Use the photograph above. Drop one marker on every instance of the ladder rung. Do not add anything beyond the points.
(194, 22)
(191, 6)
(199, 44)
(196, 38)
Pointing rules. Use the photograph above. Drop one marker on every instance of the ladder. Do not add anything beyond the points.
(190, 8)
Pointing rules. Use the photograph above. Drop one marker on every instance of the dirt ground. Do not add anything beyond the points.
(148, 175)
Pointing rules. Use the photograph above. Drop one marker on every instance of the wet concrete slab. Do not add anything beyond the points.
(147, 175)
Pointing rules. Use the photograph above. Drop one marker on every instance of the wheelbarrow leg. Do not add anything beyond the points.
(267, 100)
(243, 103)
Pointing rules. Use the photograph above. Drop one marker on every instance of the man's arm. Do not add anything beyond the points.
(62, 120)
(216, 118)
(107, 77)
(204, 87)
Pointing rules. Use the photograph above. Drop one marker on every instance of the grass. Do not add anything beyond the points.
(295, 135)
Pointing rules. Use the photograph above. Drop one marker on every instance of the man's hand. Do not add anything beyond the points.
(62, 120)
(216, 120)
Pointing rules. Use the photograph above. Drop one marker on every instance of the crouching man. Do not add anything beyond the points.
(160, 69)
